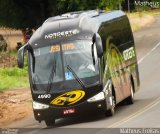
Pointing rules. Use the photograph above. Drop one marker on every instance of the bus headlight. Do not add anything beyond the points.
(97, 97)
(39, 106)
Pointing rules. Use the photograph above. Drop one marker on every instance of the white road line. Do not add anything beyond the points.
(154, 103)
(148, 53)
(146, 108)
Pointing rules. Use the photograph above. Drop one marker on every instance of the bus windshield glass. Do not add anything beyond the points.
(51, 64)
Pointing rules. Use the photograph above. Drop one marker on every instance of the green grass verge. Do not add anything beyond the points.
(140, 15)
(11, 78)
(136, 15)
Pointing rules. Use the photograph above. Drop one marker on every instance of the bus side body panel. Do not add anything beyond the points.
(119, 56)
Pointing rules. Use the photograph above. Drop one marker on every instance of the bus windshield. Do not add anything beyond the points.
(51, 64)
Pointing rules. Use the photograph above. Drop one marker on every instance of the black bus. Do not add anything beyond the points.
(81, 62)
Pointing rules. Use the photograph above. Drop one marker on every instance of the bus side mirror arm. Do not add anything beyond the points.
(30, 49)
(97, 40)
(93, 57)
(20, 58)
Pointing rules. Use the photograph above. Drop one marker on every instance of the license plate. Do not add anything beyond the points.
(69, 111)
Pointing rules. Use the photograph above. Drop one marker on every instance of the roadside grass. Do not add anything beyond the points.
(140, 19)
(11, 78)
(154, 12)
(144, 13)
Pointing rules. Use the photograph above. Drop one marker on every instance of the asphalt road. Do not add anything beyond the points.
(143, 113)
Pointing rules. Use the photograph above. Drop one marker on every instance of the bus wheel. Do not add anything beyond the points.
(111, 111)
(130, 99)
(50, 122)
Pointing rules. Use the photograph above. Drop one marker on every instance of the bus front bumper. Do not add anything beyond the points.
(84, 108)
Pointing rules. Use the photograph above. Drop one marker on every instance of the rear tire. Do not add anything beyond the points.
(50, 122)
(130, 99)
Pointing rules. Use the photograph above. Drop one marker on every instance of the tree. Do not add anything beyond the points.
(63, 6)
(20, 14)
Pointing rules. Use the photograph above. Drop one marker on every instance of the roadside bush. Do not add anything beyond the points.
(3, 44)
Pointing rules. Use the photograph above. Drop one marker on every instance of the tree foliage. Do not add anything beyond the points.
(62, 6)
(20, 14)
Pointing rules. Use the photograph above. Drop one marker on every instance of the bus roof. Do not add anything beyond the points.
(71, 23)
(84, 19)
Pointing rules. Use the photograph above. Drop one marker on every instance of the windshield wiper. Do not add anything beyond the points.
(53, 71)
(76, 77)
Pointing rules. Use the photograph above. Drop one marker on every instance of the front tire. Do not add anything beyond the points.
(50, 122)
(111, 111)
(130, 99)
